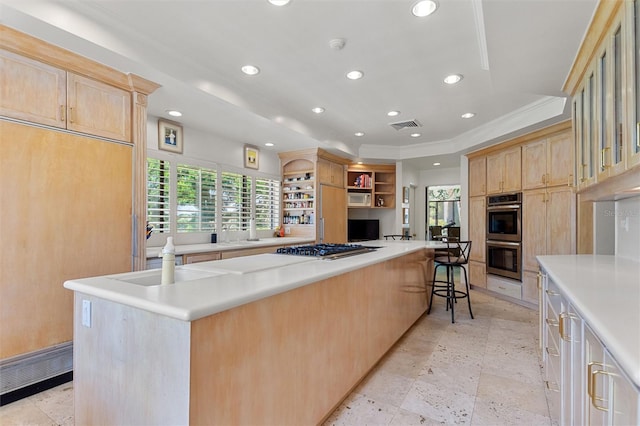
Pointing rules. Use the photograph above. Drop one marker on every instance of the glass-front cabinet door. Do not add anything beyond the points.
(633, 71)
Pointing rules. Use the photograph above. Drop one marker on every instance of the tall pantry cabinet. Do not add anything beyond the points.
(73, 146)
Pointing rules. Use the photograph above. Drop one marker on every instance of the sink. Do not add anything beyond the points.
(154, 276)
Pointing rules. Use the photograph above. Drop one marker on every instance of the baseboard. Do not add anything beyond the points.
(35, 370)
(35, 388)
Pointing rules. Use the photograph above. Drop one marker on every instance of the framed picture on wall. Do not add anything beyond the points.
(170, 136)
(251, 157)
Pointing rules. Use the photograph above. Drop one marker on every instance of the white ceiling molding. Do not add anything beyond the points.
(522, 120)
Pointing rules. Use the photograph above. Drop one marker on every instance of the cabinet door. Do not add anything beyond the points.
(478, 273)
(494, 173)
(331, 173)
(560, 160)
(333, 215)
(477, 228)
(534, 241)
(534, 164)
(477, 176)
(512, 170)
(560, 221)
(98, 109)
(32, 91)
(625, 398)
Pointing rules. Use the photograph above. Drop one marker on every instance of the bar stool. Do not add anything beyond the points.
(457, 257)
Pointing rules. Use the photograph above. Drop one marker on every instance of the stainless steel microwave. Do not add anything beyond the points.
(359, 199)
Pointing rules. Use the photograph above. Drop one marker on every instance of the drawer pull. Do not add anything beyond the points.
(591, 384)
(553, 293)
(552, 352)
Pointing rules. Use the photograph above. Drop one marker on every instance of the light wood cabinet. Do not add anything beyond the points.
(47, 95)
(200, 257)
(310, 209)
(331, 173)
(548, 218)
(478, 273)
(504, 171)
(548, 162)
(98, 109)
(37, 93)
(477, 228)
(379, 180)
(477, 176)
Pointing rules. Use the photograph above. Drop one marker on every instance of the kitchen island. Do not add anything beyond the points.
(273, 339)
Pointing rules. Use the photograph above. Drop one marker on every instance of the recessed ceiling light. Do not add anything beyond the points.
(415, 135)
(355, 75)
(359, 162)
(393, 113)
(359, 134)
(174, 113)
(424, 8)
(318, 110)
(436, 164)
(468, 115)
(279, 2)
(268, 144)
(453, 78)
(250, 69)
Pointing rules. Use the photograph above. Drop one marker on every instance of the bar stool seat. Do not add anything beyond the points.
(457, 256)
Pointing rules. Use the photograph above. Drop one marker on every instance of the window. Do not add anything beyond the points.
(158, 195)
(267, 203)
(196, 196)
(236, 201)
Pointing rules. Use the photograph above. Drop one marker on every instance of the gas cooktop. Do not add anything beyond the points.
(326, 251)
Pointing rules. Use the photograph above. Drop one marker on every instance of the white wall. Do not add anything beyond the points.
(207, 148)
(627, 228)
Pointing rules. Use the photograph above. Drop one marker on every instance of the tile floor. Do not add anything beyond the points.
(484, 371)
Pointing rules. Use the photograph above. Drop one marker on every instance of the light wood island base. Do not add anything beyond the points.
(288, 359)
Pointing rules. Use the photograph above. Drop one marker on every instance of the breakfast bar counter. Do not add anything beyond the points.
(267, 339)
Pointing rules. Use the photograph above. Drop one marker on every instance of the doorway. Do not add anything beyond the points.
(443, 211)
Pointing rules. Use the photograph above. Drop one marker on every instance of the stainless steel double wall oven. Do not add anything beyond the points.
(504, 235)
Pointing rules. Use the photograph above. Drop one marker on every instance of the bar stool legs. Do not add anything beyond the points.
(447, 289)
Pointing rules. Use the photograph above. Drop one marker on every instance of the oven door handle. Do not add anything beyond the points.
(503, 243)
(504, 207)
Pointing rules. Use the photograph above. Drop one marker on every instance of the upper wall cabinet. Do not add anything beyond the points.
(605, 85)
(548, 162)
(331, 173)
(503, 171)
(47, 95)
(477, 176)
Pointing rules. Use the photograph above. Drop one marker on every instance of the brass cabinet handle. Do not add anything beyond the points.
(570, 180)
(591, 384)
(70, 114)
(62, 113)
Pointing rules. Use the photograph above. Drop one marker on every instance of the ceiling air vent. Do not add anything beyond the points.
(405, 124)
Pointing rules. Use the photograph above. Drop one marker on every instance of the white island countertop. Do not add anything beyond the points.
(235, 281)
(605, 290)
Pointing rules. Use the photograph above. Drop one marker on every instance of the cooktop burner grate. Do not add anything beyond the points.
(325, 251)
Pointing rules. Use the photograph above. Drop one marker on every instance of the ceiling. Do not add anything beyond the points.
(514, 56)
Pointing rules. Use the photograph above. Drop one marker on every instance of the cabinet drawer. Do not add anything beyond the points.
(553, 297)
(504, 287)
